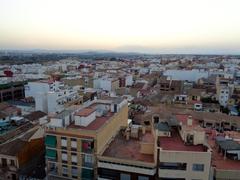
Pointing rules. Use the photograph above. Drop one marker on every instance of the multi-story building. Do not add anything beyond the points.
(169, 85)
(126, 80)
(12, 91)
(106, 84)
(223, 96)
(51, 97)
(224, 87)
(163, 151)
(130, 155)
(183, 155)
(20, 156)
(74, 140)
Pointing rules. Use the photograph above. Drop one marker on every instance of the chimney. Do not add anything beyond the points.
(189, 121)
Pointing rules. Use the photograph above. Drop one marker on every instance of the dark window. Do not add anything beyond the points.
(14, 177)
(108, 173)
(12, 162)
(156, 119)
(198, 167)
(4, 162)
(173, 166)
(115, 107)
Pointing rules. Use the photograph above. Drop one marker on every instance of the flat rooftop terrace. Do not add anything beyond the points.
(218, 160)
(129, 149)
(175, 143)
(96, 124)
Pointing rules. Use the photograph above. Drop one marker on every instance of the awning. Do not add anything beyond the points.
(87, 173)
(51, 153)
(50, 141)
(228, 145)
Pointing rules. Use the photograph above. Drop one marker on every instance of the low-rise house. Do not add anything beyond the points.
(19, 157)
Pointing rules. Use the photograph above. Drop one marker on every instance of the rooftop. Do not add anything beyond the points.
(218, 160)
(85, 112)
(96, 124)
(129, 149)
(12, 148)
(175, 143)
(36, 115)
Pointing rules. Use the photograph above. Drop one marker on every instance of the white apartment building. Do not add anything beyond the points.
(223, 96)
(50, 97)
(106, 84)
(129, 80)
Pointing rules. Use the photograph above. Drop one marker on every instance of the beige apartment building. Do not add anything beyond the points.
(160, 152)
(183, 153)
(74, 141)
(98, 141)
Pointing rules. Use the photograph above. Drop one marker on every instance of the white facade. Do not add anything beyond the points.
(223, 96)
(85, 121)
(189, 75)
(33, 88)
(129, 80)
(50, 98)
(41, 102)
(103, 83)
(106, 84)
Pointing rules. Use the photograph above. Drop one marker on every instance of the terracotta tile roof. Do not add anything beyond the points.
(12, 148)
(85, 112)
(35, 115)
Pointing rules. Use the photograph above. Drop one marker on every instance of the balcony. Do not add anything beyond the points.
(169, 173)
(87, 160)
(127, 165)
(87, 146)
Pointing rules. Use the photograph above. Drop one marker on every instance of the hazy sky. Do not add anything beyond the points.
(181, 26)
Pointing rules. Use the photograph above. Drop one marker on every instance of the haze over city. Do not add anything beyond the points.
(156, 26)
(119, 89)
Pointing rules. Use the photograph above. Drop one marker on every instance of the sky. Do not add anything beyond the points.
(149, 26)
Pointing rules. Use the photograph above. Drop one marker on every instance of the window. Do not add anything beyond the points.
(74, 159)
(198, 167)
(64, 142)
(87, 146)
(64, 156)
(52, 167)
(173, 166)
(64, 170)
(74, 172)
(73, 144)
(125, 176)
(12, 162)
(88, 159)
(143, 178)
(4, 162)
